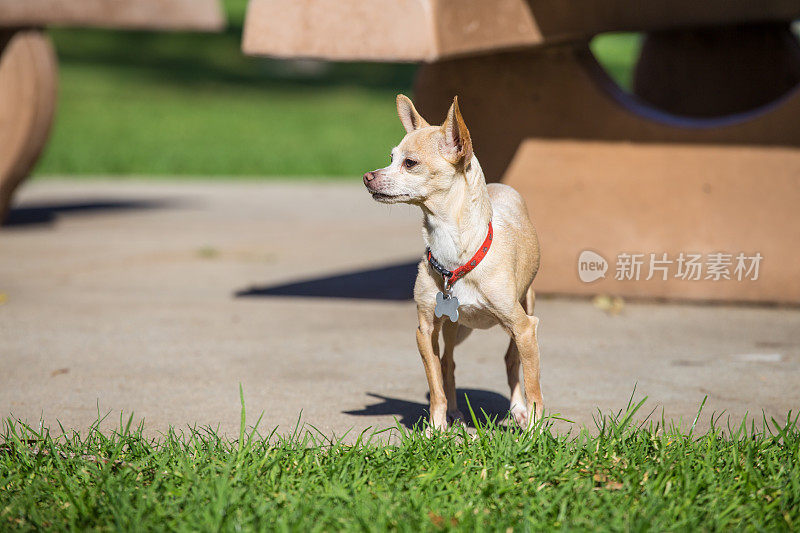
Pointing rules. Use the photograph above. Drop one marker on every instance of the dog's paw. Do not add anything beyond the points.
(438, 423)
(455, 417)
(430, 431)
(527, 419)
(520, 414)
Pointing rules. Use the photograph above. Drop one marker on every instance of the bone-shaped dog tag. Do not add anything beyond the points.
(446, 305)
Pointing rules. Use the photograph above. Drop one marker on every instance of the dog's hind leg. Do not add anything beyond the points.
(529, 301)
(512, 358)
(523, 330)
(518, 410)
(450, 333)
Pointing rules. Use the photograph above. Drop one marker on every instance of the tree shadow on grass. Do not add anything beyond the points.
(486, 405)
(200, 58)
(47, 213)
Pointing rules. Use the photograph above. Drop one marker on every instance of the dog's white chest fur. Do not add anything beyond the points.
(472, 309)
(444, 241)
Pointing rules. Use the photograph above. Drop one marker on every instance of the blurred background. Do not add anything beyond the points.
(191, 104)
(197, 219)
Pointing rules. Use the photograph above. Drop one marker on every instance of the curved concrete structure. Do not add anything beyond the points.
(137, 14)
(29, 68)
(560, 92)
(28, 84)
(717, 71)
(721, 75)
(613, 198)
(429, 30)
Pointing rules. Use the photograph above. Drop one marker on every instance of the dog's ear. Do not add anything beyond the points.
(457, 145)
(408, 114)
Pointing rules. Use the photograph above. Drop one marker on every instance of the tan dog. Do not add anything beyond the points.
(435, 168)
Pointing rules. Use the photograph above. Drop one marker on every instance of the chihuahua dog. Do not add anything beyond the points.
(482, 255)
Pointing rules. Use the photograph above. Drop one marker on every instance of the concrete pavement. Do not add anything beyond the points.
(161, 298)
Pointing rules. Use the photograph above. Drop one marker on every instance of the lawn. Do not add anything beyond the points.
(179, 104)
(620, 476)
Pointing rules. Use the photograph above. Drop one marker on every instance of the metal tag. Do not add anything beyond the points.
(446, 304)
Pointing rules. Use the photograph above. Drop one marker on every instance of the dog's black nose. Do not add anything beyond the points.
(369, 176)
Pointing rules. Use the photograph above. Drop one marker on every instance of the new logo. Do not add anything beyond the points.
(591, 266)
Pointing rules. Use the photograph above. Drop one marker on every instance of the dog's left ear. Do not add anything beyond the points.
(456, 146)
(408, 114)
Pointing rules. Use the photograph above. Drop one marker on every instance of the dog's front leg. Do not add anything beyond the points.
(450, 334)
(523, 329)
(428, 344)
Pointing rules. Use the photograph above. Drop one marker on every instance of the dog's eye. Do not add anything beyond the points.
(410, 163)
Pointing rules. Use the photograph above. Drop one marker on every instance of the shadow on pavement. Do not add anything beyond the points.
(486, 405)
(393, 282)
(47, 213)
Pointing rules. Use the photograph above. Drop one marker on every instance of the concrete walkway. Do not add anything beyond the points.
(161, 298)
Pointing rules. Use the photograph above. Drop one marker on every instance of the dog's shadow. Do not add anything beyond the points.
(486, 405)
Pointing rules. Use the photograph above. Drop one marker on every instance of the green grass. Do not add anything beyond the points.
(139, 103)
(618, 53)
(619, 477)
(181, 104)
(216, 130)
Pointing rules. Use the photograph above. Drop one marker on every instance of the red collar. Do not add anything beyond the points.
(451, 277)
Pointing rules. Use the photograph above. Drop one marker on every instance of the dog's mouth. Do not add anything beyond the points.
(389, 198)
